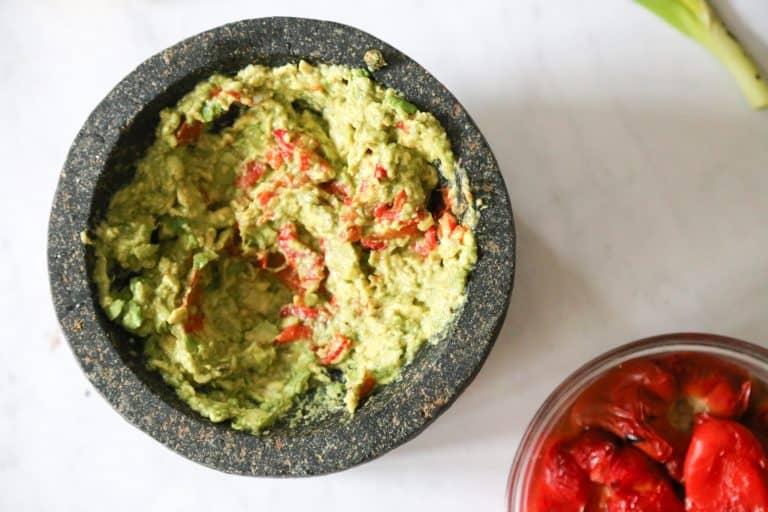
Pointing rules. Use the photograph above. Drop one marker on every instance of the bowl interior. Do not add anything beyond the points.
(119, 170)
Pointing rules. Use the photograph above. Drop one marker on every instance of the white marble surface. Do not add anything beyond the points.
(638, 176)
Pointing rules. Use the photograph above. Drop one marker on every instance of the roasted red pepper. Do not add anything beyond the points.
(193, 301)
(338, 190)
(284, 145)
(337, 348)
(189, 132)
(725, 469)
(560, 485)
(369, 382)
(293, 333)
(428, 243)
(274, 158)
(373, 244)
(623, 477)
(253, 172)
(380, 173)
(308, 265)
(391, 212)
(651, 402)
(680, 410)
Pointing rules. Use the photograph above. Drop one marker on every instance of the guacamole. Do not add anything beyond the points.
(285, 243)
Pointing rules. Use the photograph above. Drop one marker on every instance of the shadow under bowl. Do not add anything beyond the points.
(102, 159)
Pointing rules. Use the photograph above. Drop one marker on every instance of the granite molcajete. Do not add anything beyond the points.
(101, 160)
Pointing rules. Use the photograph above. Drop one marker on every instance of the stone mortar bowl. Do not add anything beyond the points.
(101, 160)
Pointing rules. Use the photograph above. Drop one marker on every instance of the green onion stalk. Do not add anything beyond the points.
(698, 20)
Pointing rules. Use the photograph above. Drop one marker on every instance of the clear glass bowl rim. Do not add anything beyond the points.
(742, 352)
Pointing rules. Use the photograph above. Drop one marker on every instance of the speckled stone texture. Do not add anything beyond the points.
(101, 160)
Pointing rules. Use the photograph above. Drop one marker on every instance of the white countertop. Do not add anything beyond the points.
(638, 176)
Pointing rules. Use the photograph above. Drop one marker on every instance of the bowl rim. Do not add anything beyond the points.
(561, 396)
(215, 445)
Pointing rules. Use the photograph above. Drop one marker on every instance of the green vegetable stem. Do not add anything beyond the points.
(698, 20)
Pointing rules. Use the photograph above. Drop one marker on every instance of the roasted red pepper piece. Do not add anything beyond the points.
(710, 385)
(274, 158)
(193, 300)
(290, 278)
(287, 146)
(308, 265)
(293, 333)
(428, 244)
(651, 402)
(594, 451)
(265, 197)
(725, 469)
(338, 190)
(390, 212)
(189, 132)
(632, 402)
(194, 322)
(373, 244)
(284, 145)
(402, 127)
(253, 172)
(560, 484)
(340, 345)
(352, 233)
(636, 483)
(627, 479)
(380, 173)
(365, 389)
(446, 225)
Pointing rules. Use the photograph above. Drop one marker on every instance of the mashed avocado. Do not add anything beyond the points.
(281, 242)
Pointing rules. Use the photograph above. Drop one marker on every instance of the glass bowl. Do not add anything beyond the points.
(751, 357)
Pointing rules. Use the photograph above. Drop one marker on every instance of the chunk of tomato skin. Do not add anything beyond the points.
(560, 484)
(189, 132)
(725, 469)
(293, 333)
